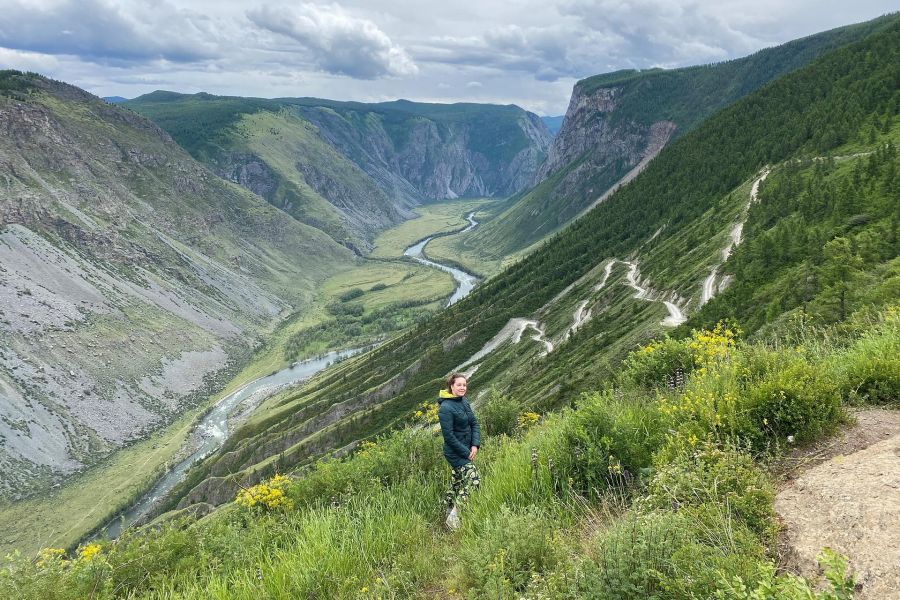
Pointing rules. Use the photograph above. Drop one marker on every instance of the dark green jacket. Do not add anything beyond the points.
(459, 428)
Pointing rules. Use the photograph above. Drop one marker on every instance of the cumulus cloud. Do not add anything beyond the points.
(336, 41)
(101, 31)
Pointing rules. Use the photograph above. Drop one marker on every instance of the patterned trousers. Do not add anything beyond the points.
(463, 481)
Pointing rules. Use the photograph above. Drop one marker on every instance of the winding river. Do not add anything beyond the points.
(213, 429)
(465, 282)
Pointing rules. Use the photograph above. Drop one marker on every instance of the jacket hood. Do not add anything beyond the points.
(445, 395)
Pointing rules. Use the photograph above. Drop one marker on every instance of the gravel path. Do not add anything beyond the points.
(845, 494)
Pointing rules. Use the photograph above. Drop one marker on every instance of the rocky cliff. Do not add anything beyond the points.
(130, 278)
(431, 151)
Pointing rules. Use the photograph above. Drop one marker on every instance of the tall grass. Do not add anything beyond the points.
(638, 492)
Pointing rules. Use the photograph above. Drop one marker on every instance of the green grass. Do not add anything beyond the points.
(638, 493)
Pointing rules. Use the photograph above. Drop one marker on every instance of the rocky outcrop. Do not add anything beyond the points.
(588, 136)
(415, 157)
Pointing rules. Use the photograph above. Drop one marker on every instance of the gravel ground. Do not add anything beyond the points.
(845, 494)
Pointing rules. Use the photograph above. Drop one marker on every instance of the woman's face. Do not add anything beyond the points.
(458, 387)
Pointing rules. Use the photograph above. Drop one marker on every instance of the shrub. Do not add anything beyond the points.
(498, 415)
(509, 547)
(268, 495)
(378, 287)
(650, 365)
(608, 440)
(351, 294)
(688, 475)
(790, 587)
(800, 399)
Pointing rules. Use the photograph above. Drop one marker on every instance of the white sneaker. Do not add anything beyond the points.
(453, 519)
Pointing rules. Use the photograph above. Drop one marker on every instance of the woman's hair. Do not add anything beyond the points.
(453, 377)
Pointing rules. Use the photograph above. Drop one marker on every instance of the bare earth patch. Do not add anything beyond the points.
(845, 494)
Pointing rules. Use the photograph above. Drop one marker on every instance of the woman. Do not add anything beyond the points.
(462, 438)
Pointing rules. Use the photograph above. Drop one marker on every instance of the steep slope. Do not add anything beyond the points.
(352, 169)
(130, 278)
(443, 150)
(618, 121)
(635, 264)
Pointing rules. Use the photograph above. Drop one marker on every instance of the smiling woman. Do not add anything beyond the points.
(462, 439)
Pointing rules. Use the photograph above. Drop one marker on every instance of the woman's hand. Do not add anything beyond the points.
(473, 452)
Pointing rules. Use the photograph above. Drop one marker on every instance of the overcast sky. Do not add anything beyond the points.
(523, 52)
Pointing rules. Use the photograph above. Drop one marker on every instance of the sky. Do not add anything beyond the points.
(523, 52)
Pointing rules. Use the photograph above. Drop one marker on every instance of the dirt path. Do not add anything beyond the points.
(845, 494)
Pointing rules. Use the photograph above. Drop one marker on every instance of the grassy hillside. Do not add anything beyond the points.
(670, 222)
(639, 492)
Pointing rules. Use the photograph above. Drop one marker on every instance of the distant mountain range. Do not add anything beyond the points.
(352, 169)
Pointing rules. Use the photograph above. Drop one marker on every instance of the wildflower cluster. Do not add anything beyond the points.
(427, 413)
(527, 420)
(89, 552)
(268, 495)
(49, 556)
(708, 346)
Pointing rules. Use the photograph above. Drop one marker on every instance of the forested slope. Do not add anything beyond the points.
(617, 120)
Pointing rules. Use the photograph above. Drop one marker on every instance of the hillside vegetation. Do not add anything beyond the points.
(617, 120)
(640, 491)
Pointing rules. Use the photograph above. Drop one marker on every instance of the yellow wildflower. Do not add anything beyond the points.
(87, 553)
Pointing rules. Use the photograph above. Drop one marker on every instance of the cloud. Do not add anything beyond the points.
(27, 61)
(546, 53)
(335, 41)
(675, 32)
(100, 31)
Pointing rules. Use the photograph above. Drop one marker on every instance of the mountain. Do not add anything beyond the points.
(617, 122)
(132, 278)
(352, 169)
(814, 150)
(115, 99)
(553, 124)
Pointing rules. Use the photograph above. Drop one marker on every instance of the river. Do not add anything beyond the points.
(465, 282)
(213, 429)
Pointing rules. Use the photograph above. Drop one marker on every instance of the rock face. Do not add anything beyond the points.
(441, 151)
(130, 278)
(588, 135)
